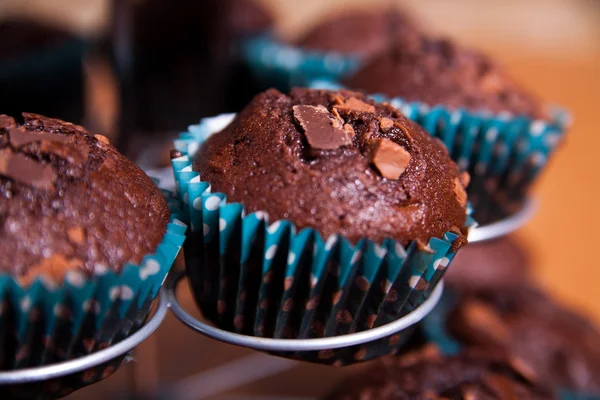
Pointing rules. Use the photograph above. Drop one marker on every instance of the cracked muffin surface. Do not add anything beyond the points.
(337, 162)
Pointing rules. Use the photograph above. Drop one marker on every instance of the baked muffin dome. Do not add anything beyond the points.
(337, 162)
(69, 200)
(437, 71)
(365, 33)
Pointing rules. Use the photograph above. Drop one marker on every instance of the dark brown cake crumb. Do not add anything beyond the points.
(69, 200)
(437, 71)
(308, 157)
(425, 375)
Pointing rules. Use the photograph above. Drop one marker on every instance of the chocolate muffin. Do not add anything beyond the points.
(559, 345)
(364, 33)
(437, 71)
(491, 264)
(337, 162)
(69, 201)
(426, 375)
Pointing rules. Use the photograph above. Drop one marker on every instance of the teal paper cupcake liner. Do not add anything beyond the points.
(271, 280)
(275, 63)
(503, 154)
(434, 329)
(46, 323)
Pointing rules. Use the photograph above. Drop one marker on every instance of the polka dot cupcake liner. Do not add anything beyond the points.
(434, 329)
(275, 63)
(46, 322)
(266, 279)
(502, 153)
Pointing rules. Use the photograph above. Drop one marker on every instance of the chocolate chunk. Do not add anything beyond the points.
(76, 234)
(460, 193)
(390, 158)
(349, 130)
(478, 316)
(20, 137)
(464, 178)
(26, 171)
(354, 104)
(72, 152)
(62, 146)
(6, 121)
(322, 130)
(503, 387)
(385, 124)
(102, 139)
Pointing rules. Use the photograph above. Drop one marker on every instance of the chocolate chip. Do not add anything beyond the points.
(354, 104)
(390, 158)
(481, 318)
(464, 178)
(20, 137)
(175, 154)
(53, 143)
(459, 192)
(349, 130)
(502, 387)
(322, 129)
(72, 152)
(523, 369)
(6, 121)
(102, 139)
(26, 171)
(76, 235)
(385, 124)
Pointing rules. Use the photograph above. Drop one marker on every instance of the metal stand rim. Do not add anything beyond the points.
(506, 225)
(64, 368)
(268, 344)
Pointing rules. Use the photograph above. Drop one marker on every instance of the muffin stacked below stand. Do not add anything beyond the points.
(559, 346)
(425, 374)
(367, 212)
(86, 242)
(494, 129)
(333, 49)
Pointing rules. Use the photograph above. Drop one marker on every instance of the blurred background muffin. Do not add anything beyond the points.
(361, 32)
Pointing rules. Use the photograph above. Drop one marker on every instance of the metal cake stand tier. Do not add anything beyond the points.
(297, 345)
(62, 369)
(507, 225)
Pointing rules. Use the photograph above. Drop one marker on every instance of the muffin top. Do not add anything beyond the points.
(436, 71)
(69, 200)
(561, 346)
(365, 33)
(426, 375)
(337, 162)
